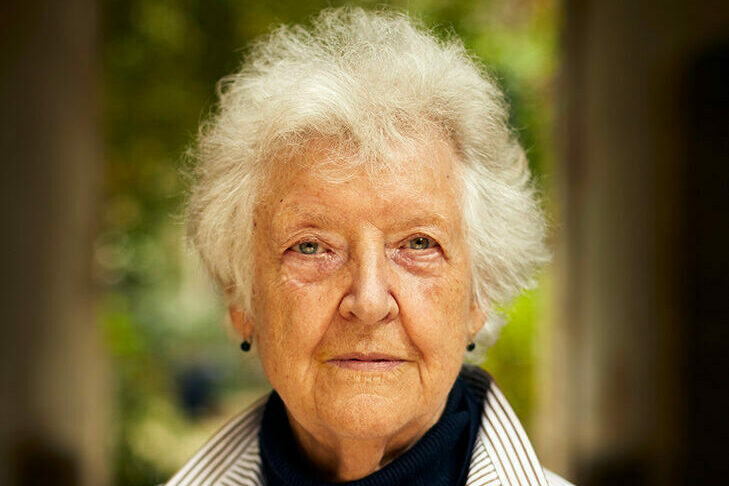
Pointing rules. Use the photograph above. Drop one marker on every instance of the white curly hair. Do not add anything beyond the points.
(365, 79)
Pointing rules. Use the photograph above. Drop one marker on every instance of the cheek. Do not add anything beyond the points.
(296, 318)
(435, 313)
(292, 315)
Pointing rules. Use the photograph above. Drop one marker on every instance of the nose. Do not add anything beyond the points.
(369, 298)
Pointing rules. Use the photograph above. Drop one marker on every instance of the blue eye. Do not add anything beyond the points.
(308, 247)
(419, 243)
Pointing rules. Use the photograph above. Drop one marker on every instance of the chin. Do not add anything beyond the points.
(367, 416)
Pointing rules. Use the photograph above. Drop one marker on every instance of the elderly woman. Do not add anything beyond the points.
(362, 203)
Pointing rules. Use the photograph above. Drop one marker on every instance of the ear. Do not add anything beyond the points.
(241, 323)
(477, 319)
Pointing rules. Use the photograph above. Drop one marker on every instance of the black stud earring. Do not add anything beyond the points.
(245, 346)
(471, 346)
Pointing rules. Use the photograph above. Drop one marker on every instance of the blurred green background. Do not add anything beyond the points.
(178, 373)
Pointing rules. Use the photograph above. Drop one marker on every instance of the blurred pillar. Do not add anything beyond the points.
(616, 406)
(53, 406)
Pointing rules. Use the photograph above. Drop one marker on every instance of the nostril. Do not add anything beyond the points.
(369, 300)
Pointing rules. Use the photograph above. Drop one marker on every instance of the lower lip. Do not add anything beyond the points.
(351, 364)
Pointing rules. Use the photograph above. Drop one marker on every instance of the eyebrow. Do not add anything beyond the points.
(310, 213)
(316, 216)
(301, 217)
(428, 220)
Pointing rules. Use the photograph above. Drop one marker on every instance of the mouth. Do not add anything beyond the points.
(366, 361)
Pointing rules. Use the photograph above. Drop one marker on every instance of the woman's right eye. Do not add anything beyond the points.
(307, 247)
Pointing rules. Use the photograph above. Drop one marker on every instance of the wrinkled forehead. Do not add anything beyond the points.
(337, 160)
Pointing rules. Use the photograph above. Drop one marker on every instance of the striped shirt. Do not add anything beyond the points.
(502, 453)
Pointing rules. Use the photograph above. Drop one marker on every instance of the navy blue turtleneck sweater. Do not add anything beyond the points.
(440, 458)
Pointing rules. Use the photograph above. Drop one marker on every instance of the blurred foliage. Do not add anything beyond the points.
(177, 372)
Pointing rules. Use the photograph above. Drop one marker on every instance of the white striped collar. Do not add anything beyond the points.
(502, 455)
(231, 455)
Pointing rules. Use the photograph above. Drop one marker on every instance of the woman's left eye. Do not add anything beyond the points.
(420, 243)
(308, 247)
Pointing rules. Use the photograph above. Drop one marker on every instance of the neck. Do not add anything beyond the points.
(347, 459)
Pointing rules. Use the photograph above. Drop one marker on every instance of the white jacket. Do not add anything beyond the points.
(502, 454)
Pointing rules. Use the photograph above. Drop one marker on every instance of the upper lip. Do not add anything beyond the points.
(366, 357)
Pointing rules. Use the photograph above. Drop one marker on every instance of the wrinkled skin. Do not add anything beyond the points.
(362, 304)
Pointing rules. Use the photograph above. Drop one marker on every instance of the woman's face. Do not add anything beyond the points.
(362, 296)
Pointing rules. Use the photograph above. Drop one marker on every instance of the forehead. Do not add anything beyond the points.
(419, 181)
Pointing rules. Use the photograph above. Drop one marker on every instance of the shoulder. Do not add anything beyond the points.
(232, 450)
(502, 454)
(555, 480)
